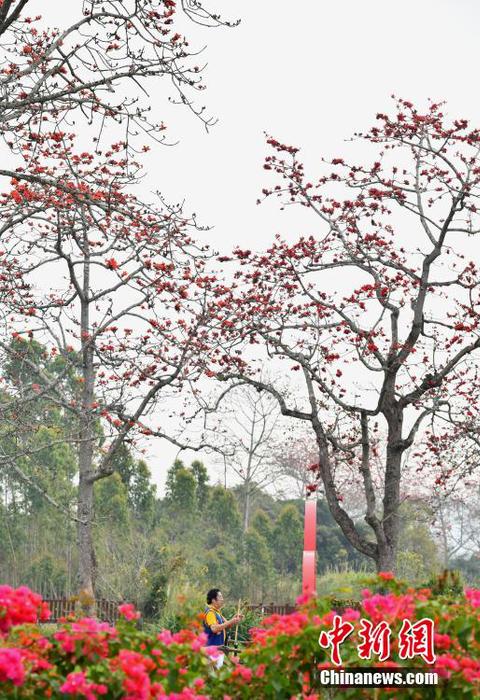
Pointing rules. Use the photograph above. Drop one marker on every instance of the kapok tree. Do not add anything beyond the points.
(377, 310)
(94, 75)
(97, 75)
(102, 66)
(115, 287)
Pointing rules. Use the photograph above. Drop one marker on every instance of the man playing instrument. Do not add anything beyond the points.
(215, 625)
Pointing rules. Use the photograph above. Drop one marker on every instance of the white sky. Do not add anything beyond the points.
(310, 73)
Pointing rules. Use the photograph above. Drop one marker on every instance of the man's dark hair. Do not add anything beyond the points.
(212, 594)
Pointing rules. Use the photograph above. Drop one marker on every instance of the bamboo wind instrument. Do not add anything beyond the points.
(235, 642)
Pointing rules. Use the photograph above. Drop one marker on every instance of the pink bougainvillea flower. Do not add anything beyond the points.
(473, 597)
(386, 575)
(11, 666)
(136, 669)
(165, 636)
(304, 598)
(128, 611)
(77, 684)
(19, 606)
(388, 607)
(442, 641)
(213, 652)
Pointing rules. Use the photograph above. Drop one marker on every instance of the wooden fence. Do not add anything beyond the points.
(107, 610)
(272, 608)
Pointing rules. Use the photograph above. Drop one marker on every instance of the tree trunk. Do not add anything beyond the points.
(446, 558)
(85, 503)
(246, 508)
(386, 559)
(387, 554)
(86, 556)
(386, 530)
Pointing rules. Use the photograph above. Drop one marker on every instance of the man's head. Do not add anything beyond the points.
(215, 597)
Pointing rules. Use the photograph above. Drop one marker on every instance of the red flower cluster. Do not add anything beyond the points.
(127, 610)
(19, 606)
(388, 607)
(473, 597)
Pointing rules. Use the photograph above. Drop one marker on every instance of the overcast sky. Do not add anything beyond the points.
(310, 73)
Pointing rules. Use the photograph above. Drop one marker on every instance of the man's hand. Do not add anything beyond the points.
(228, 623)
(236, 619)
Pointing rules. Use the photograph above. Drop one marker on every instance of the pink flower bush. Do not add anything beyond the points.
(276, 625)
(136, 669)
(86, 637)
(89, 660)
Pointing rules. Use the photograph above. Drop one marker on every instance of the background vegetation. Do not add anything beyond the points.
(163, 553)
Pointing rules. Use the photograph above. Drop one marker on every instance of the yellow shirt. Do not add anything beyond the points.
(211, 619)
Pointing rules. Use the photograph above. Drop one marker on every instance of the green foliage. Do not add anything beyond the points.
(157, 596)
(417, 558)
(449, 582)
(201, 478)
(183, 495)
(287, 539)
(221, 567)
(136, 476)
(170, 484)
(111, 502)
(224, 515)
(262, 523)
(469, 567)
(333, 548)
(258, 564)
(187, 490)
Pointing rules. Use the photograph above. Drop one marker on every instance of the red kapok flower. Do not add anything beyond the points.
(112, 264)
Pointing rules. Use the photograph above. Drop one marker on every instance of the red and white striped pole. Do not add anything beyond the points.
(309, 578)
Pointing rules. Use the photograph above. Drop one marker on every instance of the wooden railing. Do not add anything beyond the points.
(272, 608)
(106, 610)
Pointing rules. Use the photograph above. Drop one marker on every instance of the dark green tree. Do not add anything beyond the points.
(288, 540)
(258, 564)
(201, 477)
(223, 516)
(111, 503)
(170, 483)
(262, 523)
